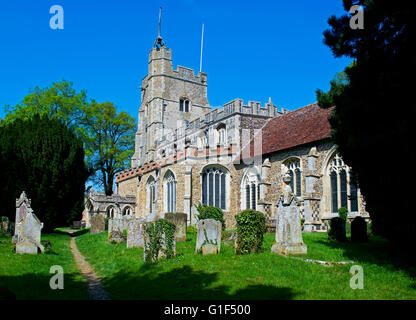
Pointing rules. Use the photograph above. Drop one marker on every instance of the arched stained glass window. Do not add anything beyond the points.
(293, 168)
(214, 187)
(151, 194)
(250, 189)
(170, 192)
(344, 188)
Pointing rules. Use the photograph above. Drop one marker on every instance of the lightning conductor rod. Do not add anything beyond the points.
(202, 47)
(160, 20)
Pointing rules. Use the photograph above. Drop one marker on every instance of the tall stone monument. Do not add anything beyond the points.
(27, 227)
(288, 227)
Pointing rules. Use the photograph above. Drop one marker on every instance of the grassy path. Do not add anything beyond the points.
(95, 289)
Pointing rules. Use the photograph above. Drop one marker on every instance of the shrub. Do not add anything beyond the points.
(208, 212)
(337, 230)
(343, 213)
(251, 226)
(160, 240)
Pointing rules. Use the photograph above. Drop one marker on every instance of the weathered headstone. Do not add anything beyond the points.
(179, 220)
(359, 230)
(209, 233)
(97, 224)
(160, 238)
(337, 230)
(116, 237)
(288, 226)
(30, 235)
(22, 205)
(4, 224)
(28, 228)
(135, 231)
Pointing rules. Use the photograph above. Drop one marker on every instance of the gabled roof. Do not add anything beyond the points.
(304, 125)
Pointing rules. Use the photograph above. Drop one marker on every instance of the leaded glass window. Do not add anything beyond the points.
(214, 187)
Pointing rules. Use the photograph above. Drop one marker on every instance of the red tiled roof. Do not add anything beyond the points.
(298, 127)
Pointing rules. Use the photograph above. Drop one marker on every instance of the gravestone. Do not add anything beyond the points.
(22, 206)
(359, 230)
(135, 231)
(288, 225)
(337, 230)
(179, 220)
(4, 224)
(116, 229)
(209, 233)
(27, 227)
(97, 224)
(162, 238)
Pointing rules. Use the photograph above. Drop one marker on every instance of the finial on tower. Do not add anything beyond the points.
(159, 41)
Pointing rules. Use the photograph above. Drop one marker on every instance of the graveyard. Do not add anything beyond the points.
(189, 275)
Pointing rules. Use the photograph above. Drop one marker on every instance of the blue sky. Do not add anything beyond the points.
(252, 49)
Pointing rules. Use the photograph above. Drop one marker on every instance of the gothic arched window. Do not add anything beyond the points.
(214, 187)
(169, 185)
(151, 194)
(127, 211)
(293, 167)
(250, 189)
(344, 189)
(111, 212)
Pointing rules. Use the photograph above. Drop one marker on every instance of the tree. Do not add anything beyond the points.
(375, 109)
(110, 141)
(45, 158)
(58, 101)
(108, 137)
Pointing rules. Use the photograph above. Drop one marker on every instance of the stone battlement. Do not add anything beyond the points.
(236, 106)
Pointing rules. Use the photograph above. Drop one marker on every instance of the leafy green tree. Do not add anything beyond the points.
(60, 101)
(108, 136)
(375, 109)
(45, 158)
(110, 141)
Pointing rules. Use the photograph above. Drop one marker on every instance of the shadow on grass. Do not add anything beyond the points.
(376, 251)
(75, 233)
(32, 286)
(149, 283)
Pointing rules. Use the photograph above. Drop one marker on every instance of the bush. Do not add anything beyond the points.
(337, 230)
(208, 212)
(343, 213)
(160, 240)
(251, 226)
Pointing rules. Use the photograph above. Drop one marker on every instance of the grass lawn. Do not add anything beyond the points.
(258, 276)
(27, 276)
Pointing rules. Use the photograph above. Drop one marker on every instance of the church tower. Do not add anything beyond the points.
(169, 100)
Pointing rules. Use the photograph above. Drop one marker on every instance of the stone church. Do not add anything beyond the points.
(232, 157)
